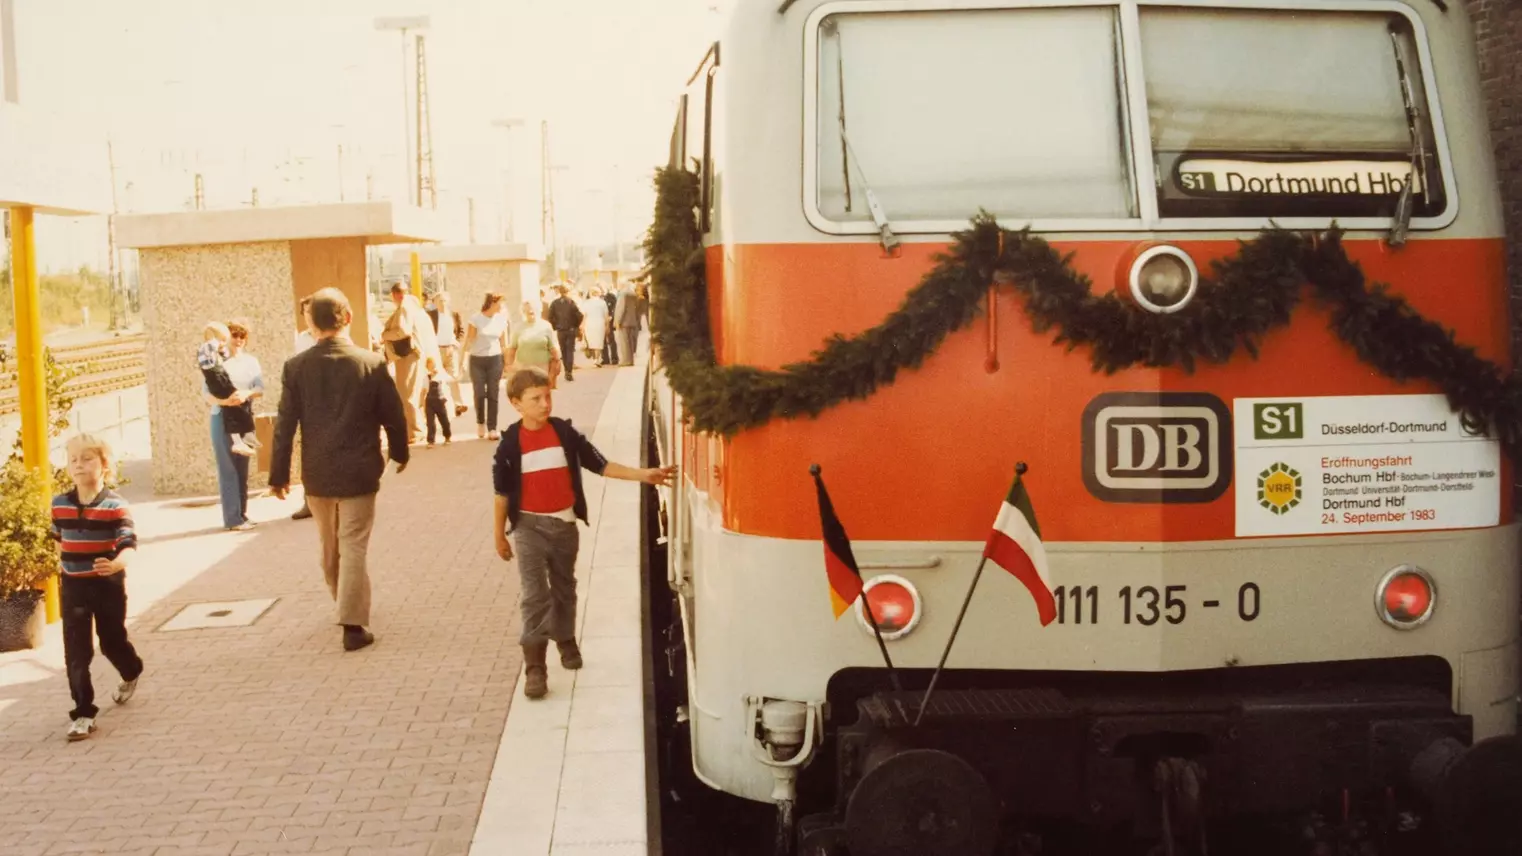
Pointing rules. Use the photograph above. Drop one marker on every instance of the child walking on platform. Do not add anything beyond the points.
(536, 474)
(436, 401)
(93, 526)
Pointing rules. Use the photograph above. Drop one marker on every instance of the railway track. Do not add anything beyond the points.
(102, 367)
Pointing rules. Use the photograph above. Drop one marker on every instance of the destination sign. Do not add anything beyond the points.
(1363, 463)
(1207, 177)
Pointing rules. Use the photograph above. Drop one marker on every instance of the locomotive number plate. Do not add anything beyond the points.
(1146, 606)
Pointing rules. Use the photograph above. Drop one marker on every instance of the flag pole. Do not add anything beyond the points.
(935, 676)
(815, 470)
(881, 645)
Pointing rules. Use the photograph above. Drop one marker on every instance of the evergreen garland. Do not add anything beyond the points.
(1250, 294)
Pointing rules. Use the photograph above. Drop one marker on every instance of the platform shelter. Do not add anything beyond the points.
(255, 265)
(471, 270)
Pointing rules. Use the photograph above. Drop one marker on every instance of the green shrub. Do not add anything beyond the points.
(28, 553)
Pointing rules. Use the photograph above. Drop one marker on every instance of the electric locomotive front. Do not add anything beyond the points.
(1283, 578)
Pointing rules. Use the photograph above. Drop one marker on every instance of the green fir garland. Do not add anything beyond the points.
(1250, 294)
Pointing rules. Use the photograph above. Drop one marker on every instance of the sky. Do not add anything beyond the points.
(265, 94)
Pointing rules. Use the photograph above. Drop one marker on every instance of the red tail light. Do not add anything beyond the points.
(1406, 597)
(895, 604)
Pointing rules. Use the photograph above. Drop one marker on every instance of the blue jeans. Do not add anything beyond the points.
(485, 378)
(232, 475)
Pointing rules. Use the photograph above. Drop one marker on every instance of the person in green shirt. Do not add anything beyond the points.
(533, 344)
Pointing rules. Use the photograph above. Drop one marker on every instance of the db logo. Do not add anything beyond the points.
(1156, 447)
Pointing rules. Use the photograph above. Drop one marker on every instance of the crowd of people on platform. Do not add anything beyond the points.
(432, 351)
(337, 402)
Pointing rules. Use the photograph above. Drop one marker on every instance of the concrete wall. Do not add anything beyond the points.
(182, 289)
(332, 262)
(468, 283)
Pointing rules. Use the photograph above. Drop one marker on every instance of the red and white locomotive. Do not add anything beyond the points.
(1287, 582)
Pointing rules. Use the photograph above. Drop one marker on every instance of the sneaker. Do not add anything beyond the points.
(303, 514)
(492, 435)
(480, 432)
(430, 444)
(81, 729)
(447, 441)
(252, 440)
(125, 691)
(241, 448)
(242, 527)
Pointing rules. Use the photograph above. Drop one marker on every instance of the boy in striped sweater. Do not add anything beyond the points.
(536, 474)
(93, 526)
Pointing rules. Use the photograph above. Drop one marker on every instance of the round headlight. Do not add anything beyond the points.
(895, 605)
(1164, 279)
(1406, 597)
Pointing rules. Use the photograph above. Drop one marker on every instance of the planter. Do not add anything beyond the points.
(22, 620)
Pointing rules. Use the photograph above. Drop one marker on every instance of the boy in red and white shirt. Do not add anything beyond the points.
(536, 474)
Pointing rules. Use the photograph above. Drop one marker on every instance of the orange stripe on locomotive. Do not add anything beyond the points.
(929, 457)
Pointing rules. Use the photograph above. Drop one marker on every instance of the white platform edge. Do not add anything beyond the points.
(569, 776)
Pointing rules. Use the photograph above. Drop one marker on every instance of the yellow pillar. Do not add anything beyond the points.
(31, 370)
(417, 277)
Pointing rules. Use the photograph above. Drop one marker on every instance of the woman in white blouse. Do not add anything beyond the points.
(485, 342)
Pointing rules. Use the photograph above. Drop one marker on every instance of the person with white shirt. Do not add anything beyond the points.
(596, 313)
(304, 340)
(232, 470)
(449, 330)
(486, 342)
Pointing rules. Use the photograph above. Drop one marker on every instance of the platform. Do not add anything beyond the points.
(570, 772)
(254, 733)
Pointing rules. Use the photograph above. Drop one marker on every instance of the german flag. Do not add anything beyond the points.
(839, 564)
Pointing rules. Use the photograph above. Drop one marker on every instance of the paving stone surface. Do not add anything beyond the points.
(270, 738)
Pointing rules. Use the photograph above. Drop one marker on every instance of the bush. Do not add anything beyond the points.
(56, 377)
(28, 553)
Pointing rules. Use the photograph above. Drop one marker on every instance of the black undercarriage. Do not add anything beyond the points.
(1005, 762)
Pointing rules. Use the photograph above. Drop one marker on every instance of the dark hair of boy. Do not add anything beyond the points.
(524, 380)
(398, 288)
(491, 299)
(329, 310)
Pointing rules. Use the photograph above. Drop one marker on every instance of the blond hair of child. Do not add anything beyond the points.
(82, 443)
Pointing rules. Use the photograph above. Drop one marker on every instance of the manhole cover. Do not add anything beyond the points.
(239, 613)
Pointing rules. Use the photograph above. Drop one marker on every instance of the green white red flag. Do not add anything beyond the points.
(1015, 546)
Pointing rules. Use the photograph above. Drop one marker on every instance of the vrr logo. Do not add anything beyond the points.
(1156, 447)
(1279, 488)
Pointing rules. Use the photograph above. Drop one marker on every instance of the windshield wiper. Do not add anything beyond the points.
(879, 217)
(848, 154)
(1415, 122)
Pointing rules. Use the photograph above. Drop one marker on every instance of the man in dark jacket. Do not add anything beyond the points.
(565, 317)
(341, 397)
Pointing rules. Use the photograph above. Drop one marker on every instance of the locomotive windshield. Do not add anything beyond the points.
(1018, 112)
(1026, 112)
(1264, 113)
